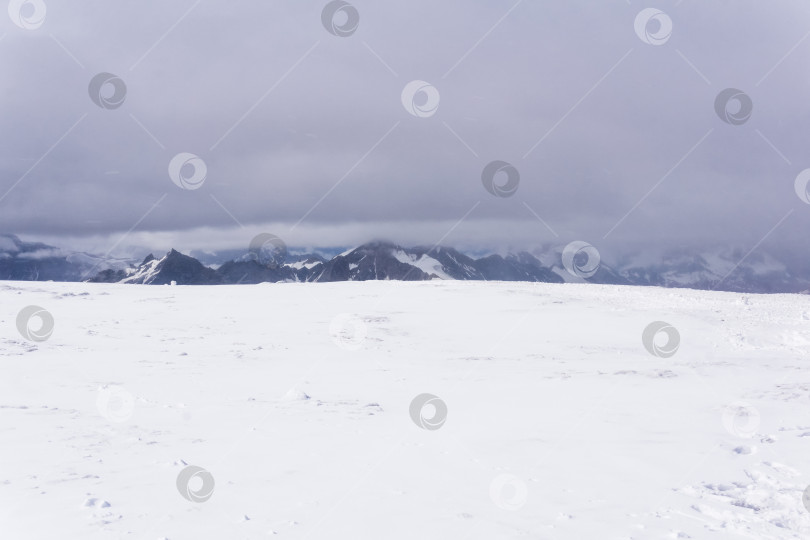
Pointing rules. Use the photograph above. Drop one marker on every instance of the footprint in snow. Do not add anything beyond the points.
(745, 450)
(96, 503)
(295, 395)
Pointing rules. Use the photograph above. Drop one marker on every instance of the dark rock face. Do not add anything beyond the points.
(520, 267)
(251, 272)
(455, 264)
(175, 266)
(375, 260)
(184, 269)
(608, 276)
(108, 276)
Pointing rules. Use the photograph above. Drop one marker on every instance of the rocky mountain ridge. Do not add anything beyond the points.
(380, 260)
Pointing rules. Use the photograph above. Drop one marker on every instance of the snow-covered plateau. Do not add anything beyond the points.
(388, 409)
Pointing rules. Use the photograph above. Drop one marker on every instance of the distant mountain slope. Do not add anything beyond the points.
(520, 267)
(35, 261)
(726, 269)
(680, 268)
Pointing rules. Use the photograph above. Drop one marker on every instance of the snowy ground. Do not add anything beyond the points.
(560, 424)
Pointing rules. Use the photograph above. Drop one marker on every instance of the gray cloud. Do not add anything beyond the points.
(282, 111)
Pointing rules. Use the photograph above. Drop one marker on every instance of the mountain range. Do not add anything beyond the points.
(728, 269)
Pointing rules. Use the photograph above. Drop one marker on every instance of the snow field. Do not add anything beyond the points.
(296, 398)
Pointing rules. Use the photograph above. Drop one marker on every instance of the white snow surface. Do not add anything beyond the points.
(298, 265)
(145, 274)
(425, 263)
(560, 424)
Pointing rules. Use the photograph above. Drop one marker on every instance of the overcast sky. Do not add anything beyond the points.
(611, 125)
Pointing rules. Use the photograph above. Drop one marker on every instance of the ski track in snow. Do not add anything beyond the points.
(560, 424)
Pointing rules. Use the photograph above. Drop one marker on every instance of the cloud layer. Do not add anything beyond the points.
(609, 120)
